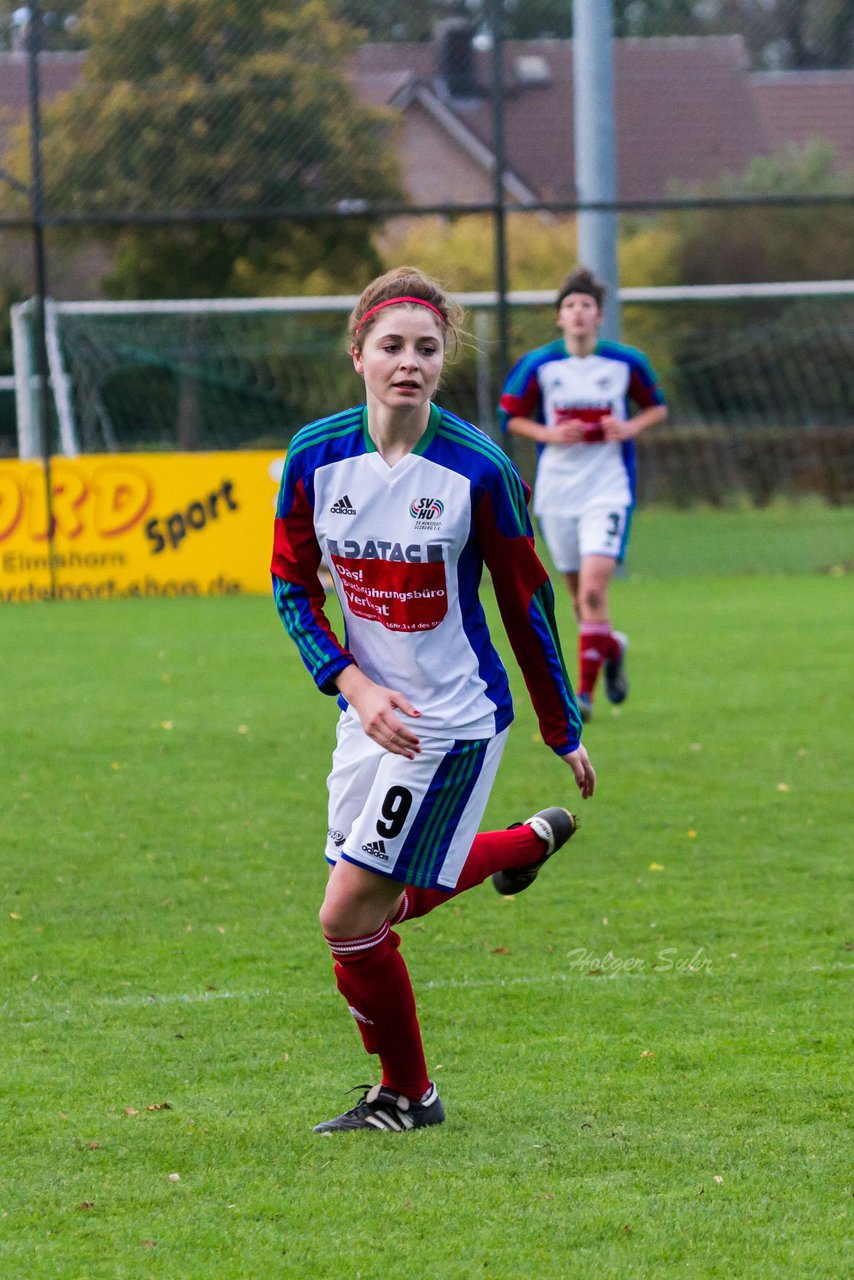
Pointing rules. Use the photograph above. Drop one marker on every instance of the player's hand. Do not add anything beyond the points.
(570, 431)
(617, 429)
(376, 706)
(585, 775)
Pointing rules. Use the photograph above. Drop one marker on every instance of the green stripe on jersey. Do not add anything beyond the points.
(432, 427)
(487, 448)
(306, 644)
(315, 433)
(423, 443)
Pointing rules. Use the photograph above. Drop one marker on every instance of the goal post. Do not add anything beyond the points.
(759, 377)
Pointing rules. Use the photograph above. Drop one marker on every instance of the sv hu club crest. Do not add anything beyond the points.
(426, 509)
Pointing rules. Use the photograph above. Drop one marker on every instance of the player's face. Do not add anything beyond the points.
(401, 357)
(579, 316)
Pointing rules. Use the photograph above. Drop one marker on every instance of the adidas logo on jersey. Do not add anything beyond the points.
(343, 507)
(376, 849)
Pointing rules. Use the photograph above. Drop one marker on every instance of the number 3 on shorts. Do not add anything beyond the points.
(394, 808)
(611, 531)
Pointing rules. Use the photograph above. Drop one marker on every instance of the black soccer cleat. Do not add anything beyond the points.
(382, 1108)
(614, 672)
(555, 826)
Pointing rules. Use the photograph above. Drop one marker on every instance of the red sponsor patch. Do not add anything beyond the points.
(592, 419)
(400, 596)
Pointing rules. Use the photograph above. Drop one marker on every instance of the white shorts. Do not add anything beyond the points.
(411, 820)
(599, 531)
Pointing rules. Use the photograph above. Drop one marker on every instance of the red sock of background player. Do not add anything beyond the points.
(595, 645)
(611, 647)
(373, 979)
(491, 851)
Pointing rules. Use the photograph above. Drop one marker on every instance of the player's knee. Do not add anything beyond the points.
(350, 917)
(332, 919)
(592, 599)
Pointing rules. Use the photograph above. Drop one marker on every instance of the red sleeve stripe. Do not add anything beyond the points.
(522, 406)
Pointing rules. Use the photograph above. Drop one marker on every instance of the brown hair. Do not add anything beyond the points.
(405, 282)
(582, 281)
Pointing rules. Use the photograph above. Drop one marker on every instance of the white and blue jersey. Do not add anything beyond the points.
(406, 546)
(551, 386)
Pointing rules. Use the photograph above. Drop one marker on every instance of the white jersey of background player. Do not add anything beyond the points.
(573, 398)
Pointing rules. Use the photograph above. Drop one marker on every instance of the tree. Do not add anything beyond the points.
(390, 19)
(760, 243)
(793, 34)
(786, 33)
(541, 251)
(217, 107)
(401, 20)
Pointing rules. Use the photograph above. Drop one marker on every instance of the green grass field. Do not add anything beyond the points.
(645, 1059)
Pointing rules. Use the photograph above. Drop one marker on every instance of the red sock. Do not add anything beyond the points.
(611, 647)
(491, 851)
(373, 979)
(596, 645)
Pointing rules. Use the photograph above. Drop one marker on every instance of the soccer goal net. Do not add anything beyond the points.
(760, 378)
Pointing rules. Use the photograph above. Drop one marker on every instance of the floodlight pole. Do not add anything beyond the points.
(595, 147)
(34, 30)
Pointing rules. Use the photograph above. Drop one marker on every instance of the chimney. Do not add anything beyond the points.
(457, 69)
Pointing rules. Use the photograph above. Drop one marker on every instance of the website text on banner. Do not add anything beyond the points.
(133, 525)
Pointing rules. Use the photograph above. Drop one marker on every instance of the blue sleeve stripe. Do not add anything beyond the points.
(637, 362)
(316, 433)
(463, 433)
(524, 368)
(341, 424)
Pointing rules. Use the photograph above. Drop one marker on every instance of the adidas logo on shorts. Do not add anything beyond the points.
(343, 507)
(376, 849)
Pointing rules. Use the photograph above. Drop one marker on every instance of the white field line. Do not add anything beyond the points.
(436, 984)
(152, 1000)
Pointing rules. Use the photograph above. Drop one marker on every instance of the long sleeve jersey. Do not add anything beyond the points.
(406, 546)
(549, 385)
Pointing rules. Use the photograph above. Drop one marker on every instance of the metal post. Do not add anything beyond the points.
(485, 402)
(29, 445)
(496, 26)
(595, 147)
(34, 28)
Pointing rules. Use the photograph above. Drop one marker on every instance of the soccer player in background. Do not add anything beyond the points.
(405, 503)
(572, 398)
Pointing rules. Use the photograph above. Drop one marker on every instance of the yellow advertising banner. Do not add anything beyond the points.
(136, 525)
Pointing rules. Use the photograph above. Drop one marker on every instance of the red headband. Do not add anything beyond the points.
(393, 302)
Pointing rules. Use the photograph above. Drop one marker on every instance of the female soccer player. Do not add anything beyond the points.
(571, 397)
(405, 503)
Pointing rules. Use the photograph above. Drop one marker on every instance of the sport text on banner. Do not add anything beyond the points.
(135, 525)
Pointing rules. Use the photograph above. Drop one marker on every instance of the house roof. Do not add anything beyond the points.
(798, 105)
(381, 88)
(685, 109)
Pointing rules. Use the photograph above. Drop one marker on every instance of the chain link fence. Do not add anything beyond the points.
(191, 149)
